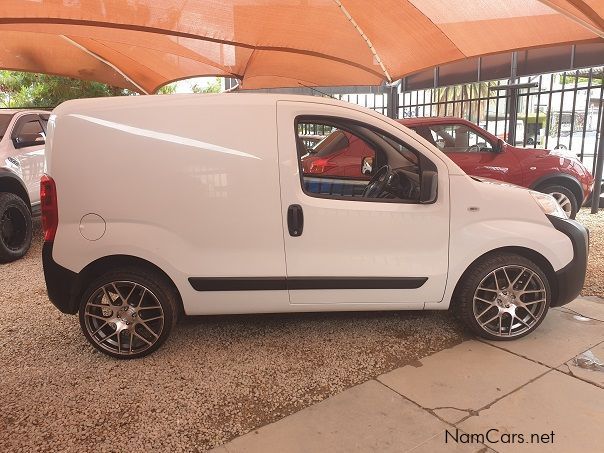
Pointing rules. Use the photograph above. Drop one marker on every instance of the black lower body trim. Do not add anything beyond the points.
(60, 282)
(571, 277)
(238, 284)
(293, 283)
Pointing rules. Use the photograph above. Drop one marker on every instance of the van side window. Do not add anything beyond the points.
(459, 138)
(339, 160)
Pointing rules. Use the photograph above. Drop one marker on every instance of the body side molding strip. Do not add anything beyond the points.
(302, 283)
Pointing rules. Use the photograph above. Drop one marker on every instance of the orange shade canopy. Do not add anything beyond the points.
(144, 44)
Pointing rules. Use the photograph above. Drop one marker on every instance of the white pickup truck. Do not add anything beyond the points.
(22, 137)
(207, 209)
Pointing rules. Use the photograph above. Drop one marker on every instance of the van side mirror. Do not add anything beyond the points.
(498, 146)
(367, 165)
(428, 187)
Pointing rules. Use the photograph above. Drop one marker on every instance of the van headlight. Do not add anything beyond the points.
(548, 204)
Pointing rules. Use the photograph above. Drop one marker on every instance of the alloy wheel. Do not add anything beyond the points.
(124, 318)
(509, 301)
(564, 202)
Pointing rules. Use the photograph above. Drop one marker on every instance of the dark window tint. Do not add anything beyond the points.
(30, 133)
(4, 122)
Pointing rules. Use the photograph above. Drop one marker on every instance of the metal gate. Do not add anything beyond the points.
(558, 110)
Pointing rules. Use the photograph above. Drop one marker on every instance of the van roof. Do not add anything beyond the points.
(160, 101)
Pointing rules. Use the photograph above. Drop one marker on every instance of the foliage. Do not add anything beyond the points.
(24, 89)
(581, 77)
(466, 101)
(212, 87)
(167, 89)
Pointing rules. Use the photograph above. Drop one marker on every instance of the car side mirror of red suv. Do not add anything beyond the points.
(498, 148)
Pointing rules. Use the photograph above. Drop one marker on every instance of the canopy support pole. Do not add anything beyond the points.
(102, 60)
(392, 99)
(595, 197)
(376, 56)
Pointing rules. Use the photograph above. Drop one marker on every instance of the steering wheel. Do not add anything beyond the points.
(378, 182)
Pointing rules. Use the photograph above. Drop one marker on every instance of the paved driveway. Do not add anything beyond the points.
(540, 393)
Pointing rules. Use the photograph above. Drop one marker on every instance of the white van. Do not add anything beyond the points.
(158, 206)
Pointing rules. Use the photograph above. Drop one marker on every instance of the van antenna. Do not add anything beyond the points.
(318, 91)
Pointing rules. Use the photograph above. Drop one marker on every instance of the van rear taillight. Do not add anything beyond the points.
(49, 208)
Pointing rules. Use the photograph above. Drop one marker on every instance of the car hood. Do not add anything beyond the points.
(565, 153)
(497, 182)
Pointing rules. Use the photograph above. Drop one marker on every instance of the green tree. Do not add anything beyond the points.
(215, 86)
(25, 89)
(212, 87)
(167, 89)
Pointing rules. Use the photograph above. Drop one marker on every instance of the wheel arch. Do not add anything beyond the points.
(525, 252)
(112, 262)
(563, 180)
(11, 183)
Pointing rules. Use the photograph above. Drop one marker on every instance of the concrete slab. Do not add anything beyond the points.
(221, 449)
(594, 374)
(591, 306)
(561, 336)
(451, 415)
(466, 377)
(572, 409)
(441, 443)
(368, 417)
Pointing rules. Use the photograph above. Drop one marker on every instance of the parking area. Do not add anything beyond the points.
(544, 392)
(594, 281)
(217, 377)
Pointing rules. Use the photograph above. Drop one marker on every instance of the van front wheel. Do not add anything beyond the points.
(128, 314)
(503, 297)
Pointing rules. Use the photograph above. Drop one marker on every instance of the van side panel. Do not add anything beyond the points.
(175, 186)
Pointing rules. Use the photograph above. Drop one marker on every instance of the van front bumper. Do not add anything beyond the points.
(60, 282)
(570, 278)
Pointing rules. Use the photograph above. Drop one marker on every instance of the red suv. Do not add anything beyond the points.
(479, 153)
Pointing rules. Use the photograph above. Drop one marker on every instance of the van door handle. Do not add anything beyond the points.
(295, 220)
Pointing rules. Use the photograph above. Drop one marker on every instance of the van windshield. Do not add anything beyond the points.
(4, 122)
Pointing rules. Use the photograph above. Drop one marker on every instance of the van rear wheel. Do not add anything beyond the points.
(128, 314)
(503, 297)
(15, 227)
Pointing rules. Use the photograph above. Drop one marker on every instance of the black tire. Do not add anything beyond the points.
(479, 273)
(15, 227)
(157, 292)
(555, 190)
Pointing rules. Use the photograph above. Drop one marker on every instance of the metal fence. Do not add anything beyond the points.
(556, 110)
